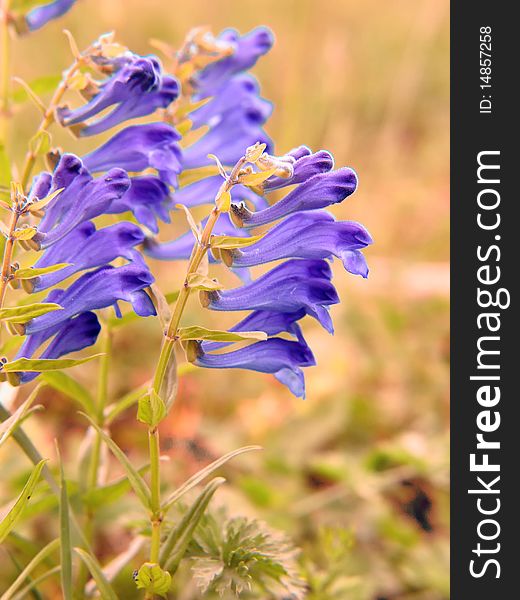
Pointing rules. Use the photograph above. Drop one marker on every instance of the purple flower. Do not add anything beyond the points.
(41, 15)
(248, 49)
(283, 358)
(234, 132)
(99, 289)
(319, 191)
(137, 89)
(205, 190)
(82, 199)
(140, 147)
(289, 287)
(313, 234)
(73, 335)
(86, 248)
(148, 199)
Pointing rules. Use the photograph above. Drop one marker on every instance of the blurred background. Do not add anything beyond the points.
(357, 474)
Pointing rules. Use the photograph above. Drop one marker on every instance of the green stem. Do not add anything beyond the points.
(4, 69)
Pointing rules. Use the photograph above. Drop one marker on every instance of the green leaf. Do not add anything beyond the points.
(65, 543)
(24, 313)
(151, 409)
(215, 335)
(136, 481)
(104, 587)
(229, 242)
(38, 558)
(180, 536)
(40, 143)
(64, 383)
(153, 579)
(202, 474)
(45, 364)
(10, 519)
(31, 272)
(34, 583)
(8, 427)
(197, 281)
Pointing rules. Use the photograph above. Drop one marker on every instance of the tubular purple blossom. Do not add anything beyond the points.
(140, 147)
(319, 191)
(41, 15)
(289, 287)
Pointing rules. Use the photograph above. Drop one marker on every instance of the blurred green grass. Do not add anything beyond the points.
(366, 455)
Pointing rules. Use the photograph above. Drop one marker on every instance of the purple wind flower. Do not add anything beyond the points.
(140, 147)
(137, 89)
(75, 334)
(85, 248)
(312, 234)
(289, 287)
(283, 358)
(41, 15)
(99, 289)
(306, 165)
(148, 199)
(319, 191)
(247, 50)
(82, 198)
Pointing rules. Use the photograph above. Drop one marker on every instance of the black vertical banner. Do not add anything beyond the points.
(485, 249)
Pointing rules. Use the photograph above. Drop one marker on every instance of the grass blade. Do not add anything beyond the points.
(104, 587)
(65, 543)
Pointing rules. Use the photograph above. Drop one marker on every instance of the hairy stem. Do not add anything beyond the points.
(8, 254)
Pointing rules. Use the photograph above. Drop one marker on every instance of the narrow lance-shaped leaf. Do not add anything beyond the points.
(10, 519)
(40, 365)
(136, 481)
(197, 281)
(65, 543)
(18, 417)
(39, 204)
(180, 536)
(194, 480)
(252, 179)
(201, 333)
(24, 313)
(104, 587)
(31, 272)
(228, 242)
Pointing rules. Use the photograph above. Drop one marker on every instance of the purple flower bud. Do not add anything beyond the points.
(249, 48)
(305, 167)
(86, 248)
(41, 15)
(83, 198)
(233, 133)
(74, 335)
(140, 147)
(317, 192)
(289, 287)
(313, 234)
(283, 358)
(148, 199)
(41, 186)
(99, 289)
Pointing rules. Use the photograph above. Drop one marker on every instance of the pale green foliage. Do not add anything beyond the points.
(238, 555)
